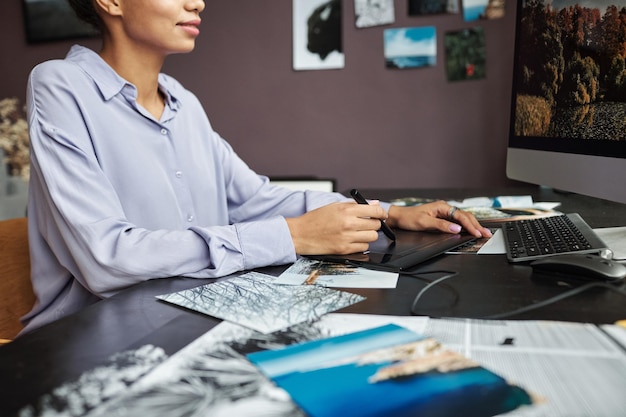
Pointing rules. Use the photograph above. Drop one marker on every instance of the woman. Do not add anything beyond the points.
(130, 182)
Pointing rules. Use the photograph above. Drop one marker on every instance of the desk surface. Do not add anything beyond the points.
(35, 364)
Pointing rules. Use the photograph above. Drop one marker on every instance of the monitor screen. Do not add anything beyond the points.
(568, 112)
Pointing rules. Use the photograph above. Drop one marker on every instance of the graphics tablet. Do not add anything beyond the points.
(410, 249)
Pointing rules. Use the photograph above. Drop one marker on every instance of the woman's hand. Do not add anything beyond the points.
(345, 228)
(338, 228)
(437, 215)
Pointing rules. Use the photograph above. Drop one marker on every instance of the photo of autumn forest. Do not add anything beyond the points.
(571, 70)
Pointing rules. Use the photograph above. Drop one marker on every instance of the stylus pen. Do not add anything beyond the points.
(383, 226)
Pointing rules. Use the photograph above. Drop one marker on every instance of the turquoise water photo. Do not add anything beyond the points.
(410, 47)
(384, 371)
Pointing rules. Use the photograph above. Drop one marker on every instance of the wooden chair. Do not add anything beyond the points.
(16, 291)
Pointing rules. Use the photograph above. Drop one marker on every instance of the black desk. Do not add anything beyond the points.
(485, 285)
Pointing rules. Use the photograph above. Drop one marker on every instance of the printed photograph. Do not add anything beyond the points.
(352, 374)
(370, 13)
(254, 300)
(482, 9)
(213, 376)
(49, 20)
(427, 7)
(317, 40)
(410, 47)
(334, 274)
(97, 386)
(465, 54)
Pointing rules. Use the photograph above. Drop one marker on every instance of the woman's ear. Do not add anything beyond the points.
(110, 7)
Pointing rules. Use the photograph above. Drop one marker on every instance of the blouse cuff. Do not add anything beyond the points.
(266, 242)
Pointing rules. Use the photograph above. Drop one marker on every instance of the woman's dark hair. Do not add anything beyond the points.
(86, 11)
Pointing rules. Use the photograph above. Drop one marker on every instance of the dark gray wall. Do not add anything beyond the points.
(364, 125)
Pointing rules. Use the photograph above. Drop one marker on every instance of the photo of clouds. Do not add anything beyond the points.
(410, 47)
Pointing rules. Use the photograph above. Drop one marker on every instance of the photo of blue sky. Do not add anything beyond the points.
(410, 47)
(472, 9)
(483, 9)
(386, 371)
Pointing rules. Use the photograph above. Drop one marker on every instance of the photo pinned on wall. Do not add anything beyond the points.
(317, 41)
(410, 47)
(428, 7)
(49, 20)
(483, 9)
(465, 54)
(374, 13)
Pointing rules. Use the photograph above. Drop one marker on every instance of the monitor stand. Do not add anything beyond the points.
(615, 239)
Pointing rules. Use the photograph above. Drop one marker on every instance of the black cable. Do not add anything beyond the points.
(526, 308)
(559, 297)
(432, 284)
(416, 274)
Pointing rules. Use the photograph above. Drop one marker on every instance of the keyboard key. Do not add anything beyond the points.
(526, 240)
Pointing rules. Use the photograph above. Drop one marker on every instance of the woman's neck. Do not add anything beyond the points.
(141, 68)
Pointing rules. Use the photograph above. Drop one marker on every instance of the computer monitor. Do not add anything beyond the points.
(568, 113)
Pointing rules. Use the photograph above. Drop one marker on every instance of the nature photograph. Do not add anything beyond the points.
(571, 70)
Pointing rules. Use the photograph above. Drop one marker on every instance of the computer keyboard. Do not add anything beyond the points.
(527, 240)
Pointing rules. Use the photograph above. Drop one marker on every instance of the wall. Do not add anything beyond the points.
(364, 125)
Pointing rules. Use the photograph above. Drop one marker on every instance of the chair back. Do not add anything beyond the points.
(16, 291)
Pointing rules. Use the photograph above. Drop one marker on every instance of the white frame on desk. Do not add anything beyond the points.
(305, 183)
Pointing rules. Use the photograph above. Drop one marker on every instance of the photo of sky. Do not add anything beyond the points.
(351, 374)
(410, 47)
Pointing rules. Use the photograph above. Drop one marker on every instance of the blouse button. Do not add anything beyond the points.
(179, 174)
(190, 218)
(164, 131)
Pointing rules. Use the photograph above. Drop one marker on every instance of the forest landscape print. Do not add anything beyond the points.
(465, 54)
(571, 70)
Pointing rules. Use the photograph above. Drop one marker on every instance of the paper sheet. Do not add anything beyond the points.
(615, 238)
(576, 368)
(328, 274)
(255, 301)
